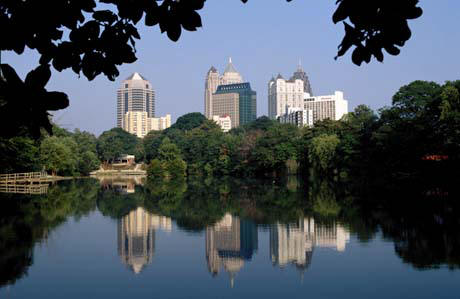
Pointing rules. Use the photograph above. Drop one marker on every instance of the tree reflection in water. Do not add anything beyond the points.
(422, 223)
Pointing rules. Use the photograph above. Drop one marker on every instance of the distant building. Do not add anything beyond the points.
(229, 243)
(214, 79)
(136, 237)
(139, 124)
(302, 75)
(135, 94)
(332, 107)
(297, 116)
(294, 243)
(125, 160)
(225, 122)
(238, 101)
(282, 92)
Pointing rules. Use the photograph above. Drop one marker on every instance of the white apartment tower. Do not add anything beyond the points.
(214, 79)
(282, 93)
(135, 94)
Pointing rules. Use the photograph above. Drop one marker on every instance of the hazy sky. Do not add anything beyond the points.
(263, 37)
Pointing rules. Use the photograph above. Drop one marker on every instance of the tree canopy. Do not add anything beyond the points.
(90, 39)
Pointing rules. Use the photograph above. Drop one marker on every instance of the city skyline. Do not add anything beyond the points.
(168, 64)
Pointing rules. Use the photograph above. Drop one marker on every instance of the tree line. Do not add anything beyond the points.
(421, 125)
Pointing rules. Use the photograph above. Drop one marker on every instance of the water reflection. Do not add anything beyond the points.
(294, 243)
(136, 237)
(122, 184)
(227, 215)
(229, 243)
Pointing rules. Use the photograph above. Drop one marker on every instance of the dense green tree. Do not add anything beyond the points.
(155, 169)
(275, 148)
(189, 121)
(19, 154)
(169, 163)
(323, 151)
(57, 157)
(115, 142)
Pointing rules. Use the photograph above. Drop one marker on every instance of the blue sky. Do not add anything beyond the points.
(263, 37)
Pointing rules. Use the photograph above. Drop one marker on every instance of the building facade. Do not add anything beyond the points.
(139, 124)
(224, 122)
(238, 101)
(214, 79)
(294, 243)
(282, 92)
(332, 107)
(298, 117)
(229, 243)
(136, 237)
(135, 94)
(302, 75)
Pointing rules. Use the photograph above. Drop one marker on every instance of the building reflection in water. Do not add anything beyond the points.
(294, 243)
(136, 237)
(122, 184)
(229, 243)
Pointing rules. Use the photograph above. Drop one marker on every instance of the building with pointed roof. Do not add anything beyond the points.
(135, 94)
(282, 92)
(214, 79)
(136, 107)
(302, 75)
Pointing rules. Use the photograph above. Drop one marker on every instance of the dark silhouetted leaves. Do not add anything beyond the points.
(24, 105)
(376, 25)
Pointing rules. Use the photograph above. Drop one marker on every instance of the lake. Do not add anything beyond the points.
(225, 239)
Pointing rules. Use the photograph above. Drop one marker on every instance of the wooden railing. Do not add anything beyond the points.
(23, 177)
(24, 189)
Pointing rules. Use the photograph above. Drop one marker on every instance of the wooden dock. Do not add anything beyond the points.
(26, 178)
(24, 189)
(26, 183)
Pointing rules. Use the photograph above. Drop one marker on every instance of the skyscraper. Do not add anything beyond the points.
(136, 237)
(282, 92)
(136, 107)
(229, 243)
(135, 94)
(238, 101)
(213, 80)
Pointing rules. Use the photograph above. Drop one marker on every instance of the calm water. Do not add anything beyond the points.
(113, 239)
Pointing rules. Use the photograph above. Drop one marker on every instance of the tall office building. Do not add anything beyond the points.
(136, 237)
(214, 79)
(282, 92)
(135, 94)
(229, 243)
(238, 101)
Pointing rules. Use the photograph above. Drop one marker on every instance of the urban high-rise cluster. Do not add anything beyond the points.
(230, 102)
(136, 107)
(291, 101)
(228, 98)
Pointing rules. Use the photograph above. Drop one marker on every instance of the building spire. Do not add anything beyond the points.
(299, 67)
